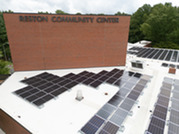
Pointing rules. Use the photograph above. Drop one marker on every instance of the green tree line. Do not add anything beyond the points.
(159, 24)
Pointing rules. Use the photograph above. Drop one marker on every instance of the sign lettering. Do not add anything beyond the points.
(60, 19)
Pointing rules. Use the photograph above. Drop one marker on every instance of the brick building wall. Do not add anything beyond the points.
(50, 41)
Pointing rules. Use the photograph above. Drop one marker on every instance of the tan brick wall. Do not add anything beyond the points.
(53, 45)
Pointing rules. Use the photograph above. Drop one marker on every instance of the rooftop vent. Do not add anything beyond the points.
(137, 64)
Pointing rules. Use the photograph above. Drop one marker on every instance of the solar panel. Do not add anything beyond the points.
(83, 73)
(62, 83)
(111, 80)
(103, 78)
(152, 54)
(175, 104)
(88, 81)
(147, 53)
(142, 52)
(176, 82)
(103, 113)
(156, 126)
(96, 83)
(59, 91)
(127, 104)
(89, 129)
(45, 85)
(133, 95)
(89, 74)
(142, 82)
(93, 125)
(110, 128)
(158, 54)
(42, 74)
(139, 88)
(60, 79)
(169, 55)
(75, 77)
(119, 82)
(123, 92)
(31, 80)
(118, 117)
(167, 85)
(121, 112)
(97, 76)
(115, 100)
(174, 116)
(51, 89)
(145, 77)
(168, 80)
(133, 80)
(176, 88)
(32, 98)
(118, 120)
(160, 112)
(103, 72)
(39, 102)
(109, 74)
(71, 84)
(162, 56)
(23, 90)
(69, 75)
(176, 95)
(115, 70)
(96, 121)
(40, 94)
(52, 78)
(173, 128)
(26, 94)
(163, 101)
(165, 92)
(129, 85)
(80, 79)
(109, 108)
(127, 75)
(117, 75)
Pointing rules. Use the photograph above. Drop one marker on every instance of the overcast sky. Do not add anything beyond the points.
(82, 6)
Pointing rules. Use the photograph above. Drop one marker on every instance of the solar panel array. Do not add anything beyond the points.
(158, 118)
(155, 53)
(45, 86)
(113, 114)
(174, 110)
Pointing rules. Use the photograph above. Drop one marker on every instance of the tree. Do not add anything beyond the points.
(138, 18)
(119, 13)
(60, 12)
(4, 45)
(162, 25)
(41, 12)
(3, 66)
(78, 13)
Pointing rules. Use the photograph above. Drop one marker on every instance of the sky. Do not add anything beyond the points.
(82, 6)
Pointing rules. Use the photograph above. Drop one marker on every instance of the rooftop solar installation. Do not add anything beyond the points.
(45, 86)
(115, 100)
(116, 110)
(155, 53)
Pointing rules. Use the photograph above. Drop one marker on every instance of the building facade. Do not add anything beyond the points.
(50, 41)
